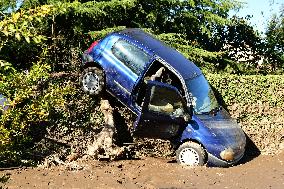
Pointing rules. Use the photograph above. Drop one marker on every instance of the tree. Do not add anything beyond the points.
(6, 5)
(198, 20)
(243, 44)
(275, 40)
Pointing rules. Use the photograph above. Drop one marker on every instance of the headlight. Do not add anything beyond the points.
(227, 154)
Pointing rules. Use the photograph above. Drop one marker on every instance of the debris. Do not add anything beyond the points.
(101, 146)
(103, 143)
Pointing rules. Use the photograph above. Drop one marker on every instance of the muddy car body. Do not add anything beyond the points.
(168, 93)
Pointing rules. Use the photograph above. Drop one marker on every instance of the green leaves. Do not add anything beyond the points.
(25, 24)
(275, 40)
(25, 104)
(17, 36)
(27, 38)
(5, 67)
(257, 103)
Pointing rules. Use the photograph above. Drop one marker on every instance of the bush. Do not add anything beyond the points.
(41, 102)
(257, 103)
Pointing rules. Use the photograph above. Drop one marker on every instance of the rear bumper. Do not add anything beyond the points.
(214, 161)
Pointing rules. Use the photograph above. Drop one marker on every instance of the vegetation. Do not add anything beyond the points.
(256, 102)
(41, 42)
(274, 50)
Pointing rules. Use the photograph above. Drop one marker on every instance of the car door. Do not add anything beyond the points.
(126, 62)
(164, 113)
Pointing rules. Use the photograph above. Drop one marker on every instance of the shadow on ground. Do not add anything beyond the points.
(4, 179)
(251, 151)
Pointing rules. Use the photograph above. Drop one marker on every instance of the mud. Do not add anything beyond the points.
(253, 172)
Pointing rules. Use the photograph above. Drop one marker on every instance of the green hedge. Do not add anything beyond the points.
(257, 102)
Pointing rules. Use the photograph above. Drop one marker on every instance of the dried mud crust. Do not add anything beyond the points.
(261, 172)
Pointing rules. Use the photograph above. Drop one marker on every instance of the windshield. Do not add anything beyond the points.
(202, 95)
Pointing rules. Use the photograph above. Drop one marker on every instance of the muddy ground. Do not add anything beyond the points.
(263, 171)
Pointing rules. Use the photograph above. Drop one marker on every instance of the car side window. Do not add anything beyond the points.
(132, 56)
(166, 101)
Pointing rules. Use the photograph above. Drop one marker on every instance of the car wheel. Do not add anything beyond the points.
(92, 80)
(190, 153)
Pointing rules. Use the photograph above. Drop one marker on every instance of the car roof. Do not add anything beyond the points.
(186, 68)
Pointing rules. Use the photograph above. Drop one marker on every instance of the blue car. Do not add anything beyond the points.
(169, 94)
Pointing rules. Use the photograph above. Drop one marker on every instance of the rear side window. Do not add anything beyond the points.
(132, 56)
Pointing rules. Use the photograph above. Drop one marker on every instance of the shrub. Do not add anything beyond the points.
(256, 102)
(40, 101)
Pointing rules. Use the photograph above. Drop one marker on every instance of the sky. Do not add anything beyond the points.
(261, 10)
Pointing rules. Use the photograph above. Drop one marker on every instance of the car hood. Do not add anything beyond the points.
(226, 131)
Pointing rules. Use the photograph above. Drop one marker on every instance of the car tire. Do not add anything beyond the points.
(92, 80)
(191, 153)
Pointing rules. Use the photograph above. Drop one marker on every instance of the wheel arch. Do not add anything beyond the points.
(93, 64)
(97, 65)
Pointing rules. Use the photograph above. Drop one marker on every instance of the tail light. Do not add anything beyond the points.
(92, 46)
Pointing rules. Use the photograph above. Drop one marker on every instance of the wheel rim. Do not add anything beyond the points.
(91, 82)
(189, 156)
